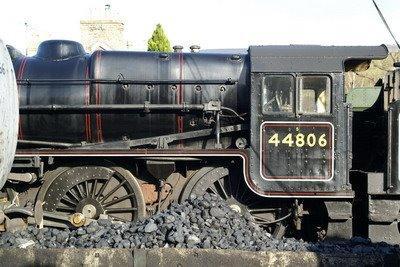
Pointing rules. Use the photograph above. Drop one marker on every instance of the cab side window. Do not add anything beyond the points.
(315, 95)
(277, 93)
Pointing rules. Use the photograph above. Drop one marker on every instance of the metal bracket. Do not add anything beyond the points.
(162, 143)
(30, 162)
(214, 105)
(217, 131)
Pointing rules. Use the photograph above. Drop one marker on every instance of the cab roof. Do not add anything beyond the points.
(313, 58)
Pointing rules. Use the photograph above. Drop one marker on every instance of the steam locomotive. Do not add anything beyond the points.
(124, 134)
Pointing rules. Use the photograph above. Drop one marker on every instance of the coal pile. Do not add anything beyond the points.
(200, 222)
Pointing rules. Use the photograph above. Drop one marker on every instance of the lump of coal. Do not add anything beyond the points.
(150, 227)
(200, 222)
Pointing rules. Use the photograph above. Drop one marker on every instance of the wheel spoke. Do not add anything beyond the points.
(80, 191)
(222, 189)
(120, 210)
(64, 208)
(243, 193)
(74, 196)
(87, 188)
(230, 185)
(110, 203)
(94, 188)
(237, 190)
(112, 191)
(102, 188)
(69, 201)
(213, 190)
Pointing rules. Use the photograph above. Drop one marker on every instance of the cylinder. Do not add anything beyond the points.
(8, 114)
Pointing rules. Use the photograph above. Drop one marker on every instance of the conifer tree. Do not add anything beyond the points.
(159, 41)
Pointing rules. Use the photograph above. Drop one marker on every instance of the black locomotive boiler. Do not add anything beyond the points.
(124, 134)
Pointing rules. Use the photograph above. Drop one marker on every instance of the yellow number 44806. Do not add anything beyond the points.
(299, 140)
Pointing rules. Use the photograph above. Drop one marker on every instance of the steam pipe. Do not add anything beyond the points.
(111, 108)
(227, 81)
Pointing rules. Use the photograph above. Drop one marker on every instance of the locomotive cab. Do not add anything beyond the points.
(301, 127)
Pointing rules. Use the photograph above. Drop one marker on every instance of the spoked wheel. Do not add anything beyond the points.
(230, 187)
(91, 191)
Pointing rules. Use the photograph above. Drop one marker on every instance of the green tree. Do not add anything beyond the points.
(159, 41)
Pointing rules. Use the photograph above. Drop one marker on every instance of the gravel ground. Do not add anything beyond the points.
(200, 222)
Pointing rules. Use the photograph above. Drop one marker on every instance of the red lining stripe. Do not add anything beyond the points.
(87, 102)
(98, 99)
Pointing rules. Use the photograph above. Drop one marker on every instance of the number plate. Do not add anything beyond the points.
(297, 150)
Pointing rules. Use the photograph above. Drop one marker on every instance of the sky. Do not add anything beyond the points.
(212, 24)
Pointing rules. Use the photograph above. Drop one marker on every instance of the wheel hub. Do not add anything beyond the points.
(236, 208)
(89, 211)
(90, 208)
(77, 219)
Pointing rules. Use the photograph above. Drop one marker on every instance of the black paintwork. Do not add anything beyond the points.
(310, 58)
(68, 61)
(370, 140)
(299, 61)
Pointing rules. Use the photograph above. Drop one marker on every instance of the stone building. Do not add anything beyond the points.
(103, 30)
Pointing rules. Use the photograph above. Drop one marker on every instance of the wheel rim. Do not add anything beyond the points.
(94, 190)
(235, 192)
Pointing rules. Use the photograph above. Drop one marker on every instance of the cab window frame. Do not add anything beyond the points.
(299, 78)
(293, 92)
